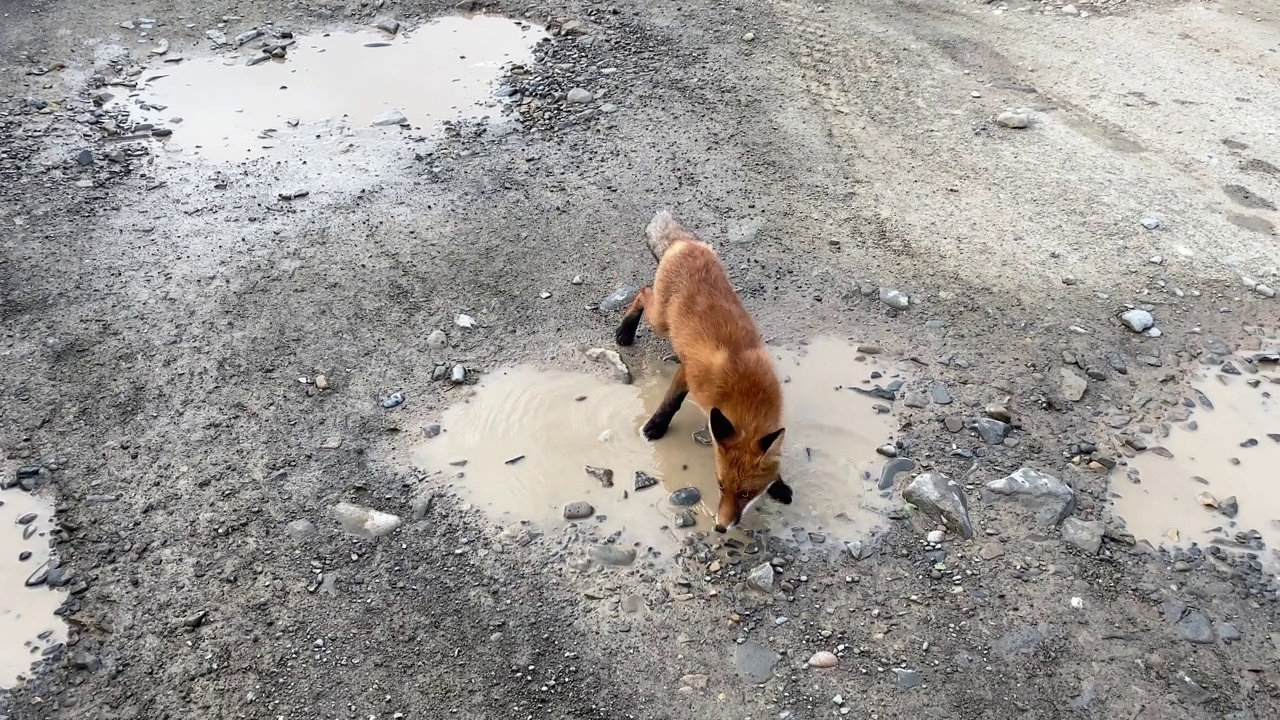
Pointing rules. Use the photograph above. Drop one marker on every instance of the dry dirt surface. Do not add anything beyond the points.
(1022, 174)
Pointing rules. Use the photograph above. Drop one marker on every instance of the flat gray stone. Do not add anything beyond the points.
(1195, 627)
(1072, 385)
(761, 578)
(1083, 534)
(942, 499)
(365, 522)
(755, 662)
(612, 555)
(578, 510)
(1049, 499)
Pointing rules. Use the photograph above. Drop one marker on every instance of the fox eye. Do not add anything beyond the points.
(745, 495)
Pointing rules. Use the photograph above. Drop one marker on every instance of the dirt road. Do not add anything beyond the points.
(237, 301)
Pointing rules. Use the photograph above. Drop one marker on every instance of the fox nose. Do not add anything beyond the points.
(721, 529)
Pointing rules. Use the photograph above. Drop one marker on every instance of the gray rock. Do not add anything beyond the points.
(908, 679)
(613, 360)
(580, 96)
(612, 555)
(859, 550)
(1195, 627)
(644, 480)
(686, 519)
(1049, 498)
(684, 497)
(936, 536)
(1014, 120)
(940, 394)
(755, 662)
(1193, 690)
(1150, 222)
(390, 117)
(84, 158)
(915, 400)
(942, 499)
(895, 299)
(1138, 320)
(437, 340)
(1229, 507)
(431, 430)
(388, 26)
(578, 510)
(365, 522)
(888, 450)
(761, 578)
(1228, 632)
(992, 431)
(608, 108)
(458, 375)
(392, 400)
(1071, 384)
(620, 298)
(301, 529)
(86, 661)
(1084, 534)
(603, 475)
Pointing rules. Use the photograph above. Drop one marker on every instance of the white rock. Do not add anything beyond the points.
(580, 96)
(621, 372)
(824, 659)
(1138, 320)
(1070, 10)
(748, 37)
(761, 578)
(437, 340)
(895, 299)
(1264, 290)
(390, 117)
(1150, 222)
(1014, 120)
(936, 536)
(365, 522)
(1072, 385)
(465, 321)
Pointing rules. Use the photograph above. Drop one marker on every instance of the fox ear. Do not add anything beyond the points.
(771, 440)
(721, 428)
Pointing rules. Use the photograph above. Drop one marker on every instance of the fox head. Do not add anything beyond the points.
(747, 466)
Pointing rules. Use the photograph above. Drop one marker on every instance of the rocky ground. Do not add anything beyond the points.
(1024, 176)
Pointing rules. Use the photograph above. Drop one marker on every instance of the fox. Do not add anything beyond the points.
(724, 366)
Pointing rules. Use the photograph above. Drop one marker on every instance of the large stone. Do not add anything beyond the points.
(365, 522)
(755, 662)
(613, 360)
(1084, 534)
(761, 578)
(1073, 386)
(1049, 499)
(942, 499)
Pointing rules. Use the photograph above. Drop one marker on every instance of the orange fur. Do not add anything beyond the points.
(725, 366)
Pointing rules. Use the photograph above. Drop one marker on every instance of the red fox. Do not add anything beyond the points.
(723, 364)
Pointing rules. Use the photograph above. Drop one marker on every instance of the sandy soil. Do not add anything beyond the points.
(157, 315)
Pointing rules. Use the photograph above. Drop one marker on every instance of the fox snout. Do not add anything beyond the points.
(731, 508)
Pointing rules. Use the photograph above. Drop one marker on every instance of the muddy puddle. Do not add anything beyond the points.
(325, 87)
(520, 448)
(1211, 480)
(27, 621)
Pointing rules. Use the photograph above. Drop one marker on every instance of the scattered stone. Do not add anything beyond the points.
(1250, 443)
(392, 400)
(437, 340)
(686, 520)
(580, 96)
(612, 555)
(1138, 320)
(1193, 690)
(620, 298)
(84, 158)
(388, 26)
(578, 510)
(1195, 627)
(465, 321)
(823, 659)
(859, 550)
(888, 450)
(248, 35)
(748, 37)
(936, 536)
(604, 475)
(322, 382)
(992, 431)
(685, 497)
(1150, 222)
(1228, 632)
(644, 480)
(1084, 534)
(1207, 499)
(27, 518)
(940, 394)
(1229, 507)
(942, 499)
(915, 400)
(389, 118)
(86, 661)
(755, 662)
(908, 679)
(365, 522)
(761, 578)
(892, 469)
(431, 431)
(895, 299)
(1050, 499)
(301, 529)
(613, 360)
(1072, 385)
(954, 423)
(702, 436)
(458, 375)
(1013, 120)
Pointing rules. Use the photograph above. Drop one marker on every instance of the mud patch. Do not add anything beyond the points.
(1252, 222)
(1216, 486)
(1244, 197)
(327, 87)
(28, 624)
(521, 448)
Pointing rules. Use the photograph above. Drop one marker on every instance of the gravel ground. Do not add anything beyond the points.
(155, 319)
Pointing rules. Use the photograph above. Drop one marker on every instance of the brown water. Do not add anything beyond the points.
(26, 614)
(560, 422)
(329, 86)
(1174, 504)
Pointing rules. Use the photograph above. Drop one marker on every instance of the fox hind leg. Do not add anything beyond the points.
(626, 332)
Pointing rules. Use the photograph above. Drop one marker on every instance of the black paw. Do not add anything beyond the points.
(625, 336)
(655, 429)
(780, 491)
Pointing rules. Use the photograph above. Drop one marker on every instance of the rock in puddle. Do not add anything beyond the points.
(686, 520)
(685, 497)
(365, 522)
(942, 499)
(755, 662)
(1049, 499)
(613, 360)
(603, 475)
(644, 480)
(578, 510)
